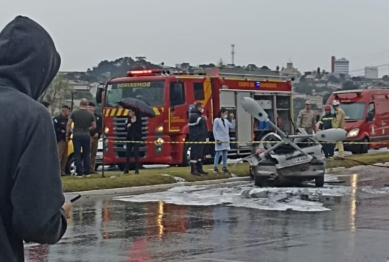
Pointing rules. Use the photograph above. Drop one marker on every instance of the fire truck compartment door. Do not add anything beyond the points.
(227, 99)
(243, 121)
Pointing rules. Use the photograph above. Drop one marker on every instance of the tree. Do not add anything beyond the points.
(140, 58)
(251, 67)
(325, 98)
(349, 85)
(57, 91)
(333, 79)
(318, 71)
(221, 63)
(277, 68)
(385, 78)
(265, 68)
(211, 65)
(119, 67)
(303, 88)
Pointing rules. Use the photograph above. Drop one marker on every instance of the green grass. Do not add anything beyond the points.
(145, 178)
(155, 176)
(357, 160)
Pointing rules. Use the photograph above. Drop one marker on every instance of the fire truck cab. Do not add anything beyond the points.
(173, 95)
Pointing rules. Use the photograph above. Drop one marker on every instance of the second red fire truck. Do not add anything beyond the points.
(173, 95)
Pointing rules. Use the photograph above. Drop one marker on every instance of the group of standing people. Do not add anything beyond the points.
(307, 120)
(198, 135)
(87, 130)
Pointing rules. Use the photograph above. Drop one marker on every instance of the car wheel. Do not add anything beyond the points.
(259, 181)
(70, 168)
(319, 181)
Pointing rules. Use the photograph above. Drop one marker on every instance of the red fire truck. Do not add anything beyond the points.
(172, 95)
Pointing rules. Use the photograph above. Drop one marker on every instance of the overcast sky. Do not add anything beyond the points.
(265, 32)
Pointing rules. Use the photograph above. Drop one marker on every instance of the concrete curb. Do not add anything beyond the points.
(155, 188)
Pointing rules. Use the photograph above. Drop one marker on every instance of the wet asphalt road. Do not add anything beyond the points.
(107, 230)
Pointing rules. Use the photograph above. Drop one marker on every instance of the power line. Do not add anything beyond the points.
(362, 69)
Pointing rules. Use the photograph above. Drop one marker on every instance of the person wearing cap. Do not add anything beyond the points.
(306, 119)
(338, 122)
(326, 123)
(60, 123)
(95, 135)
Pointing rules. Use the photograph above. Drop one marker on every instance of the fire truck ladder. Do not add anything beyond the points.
(217, 72)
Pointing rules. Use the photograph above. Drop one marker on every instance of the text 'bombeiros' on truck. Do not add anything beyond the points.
(173, 95)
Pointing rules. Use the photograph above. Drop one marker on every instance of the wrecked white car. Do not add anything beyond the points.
(280, 157)
(287, 163)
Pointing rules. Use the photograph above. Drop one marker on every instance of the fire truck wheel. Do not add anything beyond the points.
(121, 166)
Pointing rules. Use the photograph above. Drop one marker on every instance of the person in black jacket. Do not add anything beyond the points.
(134, 133)
(60, 123)
(198, 132)
(326, 123)
(32, 204)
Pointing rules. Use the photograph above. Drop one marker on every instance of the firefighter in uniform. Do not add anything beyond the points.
(306, 119)
(198, 132)
(326, 123)
(60, 123)
(95, 136)
(338, 123)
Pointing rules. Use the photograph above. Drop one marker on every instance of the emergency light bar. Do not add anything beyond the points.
(151, 72)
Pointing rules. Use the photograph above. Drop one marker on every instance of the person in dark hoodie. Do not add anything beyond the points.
(198, 132)
(32, 205)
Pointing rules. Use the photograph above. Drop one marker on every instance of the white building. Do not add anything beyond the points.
(341, 66)
(290, 70)
(371, 72)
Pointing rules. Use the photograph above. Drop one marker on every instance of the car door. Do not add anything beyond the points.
(374, 125)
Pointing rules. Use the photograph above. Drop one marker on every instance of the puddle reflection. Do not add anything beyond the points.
(353, 204)
(107, 230)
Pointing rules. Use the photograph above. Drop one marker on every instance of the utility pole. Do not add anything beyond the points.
(233, 54)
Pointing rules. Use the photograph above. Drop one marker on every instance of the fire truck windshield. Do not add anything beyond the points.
(150, 92)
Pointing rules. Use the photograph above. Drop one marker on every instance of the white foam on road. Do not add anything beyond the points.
(304, 199)
(375, 191)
